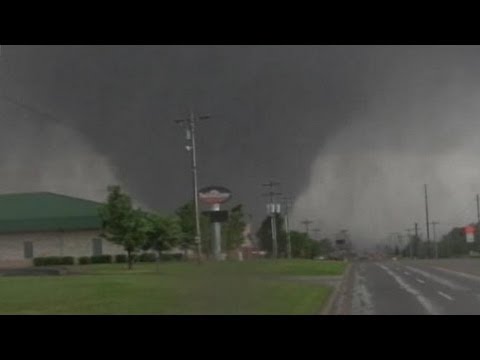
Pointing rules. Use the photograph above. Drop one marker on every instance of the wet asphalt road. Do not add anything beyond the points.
(450, 287)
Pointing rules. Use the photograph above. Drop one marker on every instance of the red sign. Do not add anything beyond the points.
(469, 230)
(214, 195)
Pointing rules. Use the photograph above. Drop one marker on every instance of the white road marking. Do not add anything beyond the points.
(431, 309)
(420, 281)
(445, 295)
(438, 279)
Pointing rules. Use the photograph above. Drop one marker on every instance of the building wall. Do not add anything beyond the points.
(76, 244)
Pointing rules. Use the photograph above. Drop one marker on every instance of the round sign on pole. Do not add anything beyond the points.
(213, 195)
(470, 232)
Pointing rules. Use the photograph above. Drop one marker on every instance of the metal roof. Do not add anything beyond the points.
(45, 211)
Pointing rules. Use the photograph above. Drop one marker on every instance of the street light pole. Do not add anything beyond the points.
(192, 148)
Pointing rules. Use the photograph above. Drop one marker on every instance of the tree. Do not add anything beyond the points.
(301, 244)
(264, 235)
(186, 216)
(163, 233)
(233, 229)
(455, 244)
(122, 224)
(326, 246)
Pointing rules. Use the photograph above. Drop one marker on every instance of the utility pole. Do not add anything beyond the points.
(427, 222)
(189, 125)
(307, 225)
(273, 215)
(286, 201)
(435, 238)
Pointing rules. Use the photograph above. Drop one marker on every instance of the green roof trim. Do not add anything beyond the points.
(32, 212)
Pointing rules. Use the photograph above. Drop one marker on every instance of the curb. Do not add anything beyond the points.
(328, 309)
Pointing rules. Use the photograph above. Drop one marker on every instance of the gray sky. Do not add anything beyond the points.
(326, 121)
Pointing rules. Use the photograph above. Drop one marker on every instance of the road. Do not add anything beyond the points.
(429, 287)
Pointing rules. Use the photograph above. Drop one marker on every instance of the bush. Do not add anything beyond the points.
(53, 260)
(121, 258)
(68, 260)
(146, 257)
(101, 259)
(84, 260)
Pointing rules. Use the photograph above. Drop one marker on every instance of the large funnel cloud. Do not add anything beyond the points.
(369, 175)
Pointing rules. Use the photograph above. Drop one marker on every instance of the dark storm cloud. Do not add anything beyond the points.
(275, 109)
(265, 104)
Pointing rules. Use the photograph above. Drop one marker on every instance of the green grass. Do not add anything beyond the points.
(176, 288)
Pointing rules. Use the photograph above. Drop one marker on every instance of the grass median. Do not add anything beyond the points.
(173, 288)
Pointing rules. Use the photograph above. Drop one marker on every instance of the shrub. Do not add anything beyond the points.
(121, 258)
(53, 260)
(146, 257)
(84, 260)
(68, 260)
(101, 259)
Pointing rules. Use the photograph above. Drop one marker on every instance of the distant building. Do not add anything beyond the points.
(342, 245)
(248, 249)
(48, 224)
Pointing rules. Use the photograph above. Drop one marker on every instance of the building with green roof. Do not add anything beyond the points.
(48, 224)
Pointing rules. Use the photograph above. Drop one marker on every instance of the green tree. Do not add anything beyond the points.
(264, 235)
(163, 233)
(233, 229)
(122, 224)
(326, 247)
(454, 244)
(315, 249)
(301, 244)
(186, 216)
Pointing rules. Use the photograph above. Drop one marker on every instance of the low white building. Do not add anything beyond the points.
(46, 224)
